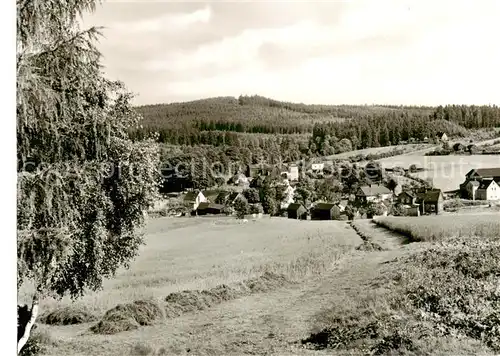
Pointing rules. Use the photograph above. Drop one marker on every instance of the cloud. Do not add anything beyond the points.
(388, 51)
(166, 22)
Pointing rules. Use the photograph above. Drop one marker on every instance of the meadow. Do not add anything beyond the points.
(378, 150)
(201, 253)
(441, 227)
(446, 172)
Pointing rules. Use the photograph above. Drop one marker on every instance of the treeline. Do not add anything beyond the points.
(254, 114)
(379, 131)
(384, 130)
(251, 121)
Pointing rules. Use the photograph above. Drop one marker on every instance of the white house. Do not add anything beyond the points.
(488, 190)
(293, 173)
(373, 193)
(289, 194)
(193, 199)
(317, 167)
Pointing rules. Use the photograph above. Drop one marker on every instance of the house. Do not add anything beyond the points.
(430, 201)
(239, 179)
(488, 190)
(408, 202)
(458, 147)
(481, 173)
(297, 211)
(477, 175)
(209, 208)
(260, 169)
(325, 211)
(289, 194)
(373, 193)
(228, 198)
(193, 199)
(317, 167)
(233, 197)
(293, 173)
(211, 195)
(425, 140)
(441, 136)
(407, 198)
(173, 182)
(342, 205)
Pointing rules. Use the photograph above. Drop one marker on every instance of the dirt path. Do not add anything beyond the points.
(385, 238)
(262, 324)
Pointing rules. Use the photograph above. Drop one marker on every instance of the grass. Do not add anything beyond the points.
(442, 300)
(378, 150)
(438, 228)
(202, 253)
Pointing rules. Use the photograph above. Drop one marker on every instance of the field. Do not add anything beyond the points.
(438, 228)
(200, 253)
(447, 172)
(378, 150)
(330, 298)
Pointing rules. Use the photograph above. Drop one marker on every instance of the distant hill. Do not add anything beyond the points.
(257, 114)
(248, 120)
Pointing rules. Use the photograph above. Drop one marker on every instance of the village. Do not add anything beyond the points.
(328, 190)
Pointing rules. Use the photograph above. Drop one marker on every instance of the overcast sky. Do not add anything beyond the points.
(336, 52)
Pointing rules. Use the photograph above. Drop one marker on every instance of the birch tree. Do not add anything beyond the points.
(83, 185)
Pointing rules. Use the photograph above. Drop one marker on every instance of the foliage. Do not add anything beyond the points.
(79, 209)
(241, 207)
(328, 189)
(252, 195)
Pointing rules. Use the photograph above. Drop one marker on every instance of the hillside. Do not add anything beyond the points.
(256, 114)
(308, 129)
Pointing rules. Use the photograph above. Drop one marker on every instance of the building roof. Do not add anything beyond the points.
(324, 206)
(211, 194)
(206, 205)
(294, 206)
(343, 202)
(191, 196)
(430, 196)
(232, 196)
(485, 183)
(409, 193)
(484, 172)
(374, 189)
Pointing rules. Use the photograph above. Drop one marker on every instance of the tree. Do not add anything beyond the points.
(268, 198)
(344, 145)
(220, 181)
(252, 195)
(241, 207)
(79, 209)
(392, 184)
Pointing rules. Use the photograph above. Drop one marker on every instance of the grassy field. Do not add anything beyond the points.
(438, 228)
(200, 253)
(410, 299)
(447, 172)
(377, 150)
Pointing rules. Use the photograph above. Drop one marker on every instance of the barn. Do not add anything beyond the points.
(297, 211)
(209, 208)
(325, 211)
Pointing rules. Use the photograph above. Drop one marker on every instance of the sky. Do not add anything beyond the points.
(396, 52)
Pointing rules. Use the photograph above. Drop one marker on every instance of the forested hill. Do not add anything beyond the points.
(257, 114)
(229, 121)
